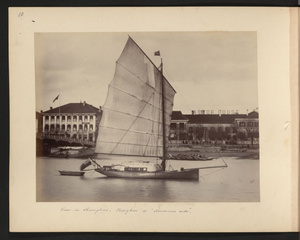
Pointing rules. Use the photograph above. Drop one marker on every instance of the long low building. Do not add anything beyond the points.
(212, 127)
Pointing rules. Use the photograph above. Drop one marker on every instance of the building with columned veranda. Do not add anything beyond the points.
(74, 120)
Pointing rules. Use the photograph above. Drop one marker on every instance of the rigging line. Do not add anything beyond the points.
(132, 115)
(132, 122)
(212, 172)
(150, 61)
(134, 131)
(152, 130)
(223, 160)
(144, 82)
(158, 128)
(173, 83)
(142, 100)
(149, 138)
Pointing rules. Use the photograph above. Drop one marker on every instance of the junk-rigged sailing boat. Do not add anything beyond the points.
(135, 121)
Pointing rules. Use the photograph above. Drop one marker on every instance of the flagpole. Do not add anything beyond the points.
(55, 117)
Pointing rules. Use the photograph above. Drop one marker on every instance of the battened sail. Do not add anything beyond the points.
(131, 123)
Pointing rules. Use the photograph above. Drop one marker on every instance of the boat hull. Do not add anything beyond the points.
(71, 173)
(194, 159)
(192, 174)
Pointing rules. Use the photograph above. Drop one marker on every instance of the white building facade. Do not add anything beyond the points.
(73, 120)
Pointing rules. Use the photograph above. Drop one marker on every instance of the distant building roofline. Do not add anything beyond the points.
(81, 107)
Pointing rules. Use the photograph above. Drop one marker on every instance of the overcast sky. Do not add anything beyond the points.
(209, 70)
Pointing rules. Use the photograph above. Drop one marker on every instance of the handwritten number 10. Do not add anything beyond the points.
(20, 14)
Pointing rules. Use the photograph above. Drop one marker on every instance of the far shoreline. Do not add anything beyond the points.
(216, 152)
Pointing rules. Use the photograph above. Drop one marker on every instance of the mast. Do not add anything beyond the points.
(163, 164)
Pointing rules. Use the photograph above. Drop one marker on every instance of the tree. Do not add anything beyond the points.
(199, 133)
(183, 136)
(234, 137)
(250, 135)
(212, 134)
(256, 134)
(222, 135)
(241, 136)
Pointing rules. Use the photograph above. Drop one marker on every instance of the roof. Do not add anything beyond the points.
(218, 119)
(253, 114)
(74, 108)
(38, 114)
(212, 118)
(177, 115)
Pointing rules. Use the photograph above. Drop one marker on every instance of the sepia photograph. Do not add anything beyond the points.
(153, 119)
(147, 117)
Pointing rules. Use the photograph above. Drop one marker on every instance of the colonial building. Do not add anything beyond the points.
(38, 122)
(212, 127)
(178, 126)
(207, 127)
(247, 126)
(247, 123)
(73, 120)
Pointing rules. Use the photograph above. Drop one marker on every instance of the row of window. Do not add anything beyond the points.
(248, 124)
(173, 126)
(52, 127)
(69, 118)
(202, 129)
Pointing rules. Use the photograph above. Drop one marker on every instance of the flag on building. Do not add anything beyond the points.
(56, 98)
(157, 53)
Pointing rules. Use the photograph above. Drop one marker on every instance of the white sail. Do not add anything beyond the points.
(131, 123)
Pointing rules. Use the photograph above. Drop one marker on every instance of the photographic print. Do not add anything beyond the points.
(153, 120)
(101, 132)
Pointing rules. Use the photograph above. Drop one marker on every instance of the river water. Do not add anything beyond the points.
(239, 182)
